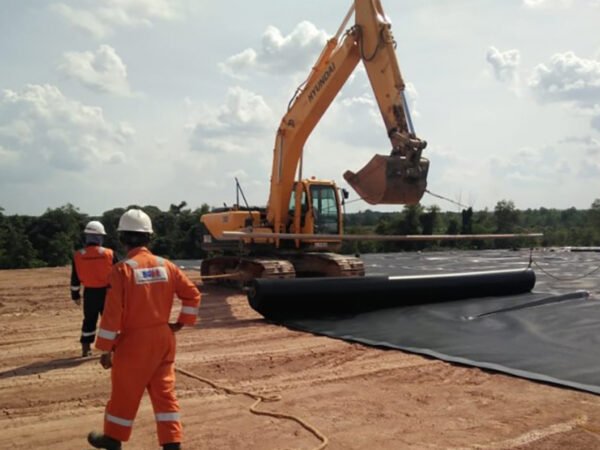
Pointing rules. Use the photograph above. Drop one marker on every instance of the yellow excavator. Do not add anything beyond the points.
(307, 208)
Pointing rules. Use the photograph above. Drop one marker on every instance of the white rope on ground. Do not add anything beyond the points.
(260, 398)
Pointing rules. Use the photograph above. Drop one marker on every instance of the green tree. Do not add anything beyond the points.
(594, 221)
(189, 237)
(405, 223)
(595, 213)
(16, 252)
(110, 220)
(506, 216)
(467, 221)
(56, 234)
(429, 220)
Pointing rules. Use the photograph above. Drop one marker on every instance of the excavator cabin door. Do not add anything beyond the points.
(314, 208)
(325, 209)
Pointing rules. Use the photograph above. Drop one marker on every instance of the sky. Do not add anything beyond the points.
(109, 103)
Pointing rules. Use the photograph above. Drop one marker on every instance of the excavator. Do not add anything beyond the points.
(309, 208)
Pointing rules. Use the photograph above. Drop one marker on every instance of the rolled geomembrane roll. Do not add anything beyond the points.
(305, 297)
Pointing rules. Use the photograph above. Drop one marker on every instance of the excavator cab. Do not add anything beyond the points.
(390, 180)
(318, 206)
(325, 208)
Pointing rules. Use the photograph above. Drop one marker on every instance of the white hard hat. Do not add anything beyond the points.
(135, 220)
(94, 227)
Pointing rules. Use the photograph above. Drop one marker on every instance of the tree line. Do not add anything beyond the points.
(568, 227)
(50, 239)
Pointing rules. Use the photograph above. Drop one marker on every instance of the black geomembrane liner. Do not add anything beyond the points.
(489, 320)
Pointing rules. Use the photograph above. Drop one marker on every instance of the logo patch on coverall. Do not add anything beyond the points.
(150, 275)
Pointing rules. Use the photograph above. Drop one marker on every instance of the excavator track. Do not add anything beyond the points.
(232, 270)
(316, 264)
(239, 271)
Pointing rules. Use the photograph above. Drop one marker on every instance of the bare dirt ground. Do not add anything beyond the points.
(356, 396)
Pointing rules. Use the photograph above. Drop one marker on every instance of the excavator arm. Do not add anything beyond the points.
(399, 178)
(329, 74)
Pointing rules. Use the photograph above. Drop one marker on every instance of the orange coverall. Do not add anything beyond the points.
(93, 264)
(91, 267)
(135, 326)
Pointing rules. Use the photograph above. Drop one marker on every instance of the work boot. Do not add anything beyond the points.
(172, 446)
(99, 440)
(86, 349)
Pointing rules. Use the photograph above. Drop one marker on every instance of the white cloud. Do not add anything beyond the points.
(546, 4)
(236, 138)
(567, 164)
(236, 64)
(452, 170)
(567, 78)
(102, 71)
(102, 17)
(596, 122)
(529, 166)
(7, 156)
(42, 130)
(245, 115)
(355, 121)
(411, 98)
(590, 145)
(278, 53)
(504, 64)
(354, 117)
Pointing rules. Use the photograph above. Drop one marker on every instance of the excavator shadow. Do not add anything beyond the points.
(45, 366)
(217, 308)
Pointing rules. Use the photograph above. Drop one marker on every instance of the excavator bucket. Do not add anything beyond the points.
(390, 180)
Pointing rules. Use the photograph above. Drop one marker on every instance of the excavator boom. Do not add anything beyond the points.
(401, 177)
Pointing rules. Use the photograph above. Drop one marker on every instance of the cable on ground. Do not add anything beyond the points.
(260, 398)
(535, 263)
(223, 275)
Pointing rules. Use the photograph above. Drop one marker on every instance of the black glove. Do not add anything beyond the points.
(106, 360)
(175, 327)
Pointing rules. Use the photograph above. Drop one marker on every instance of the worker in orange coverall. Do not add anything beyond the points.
(137, 338)
(91, 267)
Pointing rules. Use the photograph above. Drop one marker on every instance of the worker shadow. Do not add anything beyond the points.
(44, 366)
(217, 308)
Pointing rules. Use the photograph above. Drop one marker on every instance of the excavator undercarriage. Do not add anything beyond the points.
(240, 270)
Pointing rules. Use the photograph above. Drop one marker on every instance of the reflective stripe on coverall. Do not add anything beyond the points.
(135, 326)
(91, 267)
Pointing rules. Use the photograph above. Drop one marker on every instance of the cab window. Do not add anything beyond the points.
(325, 209)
